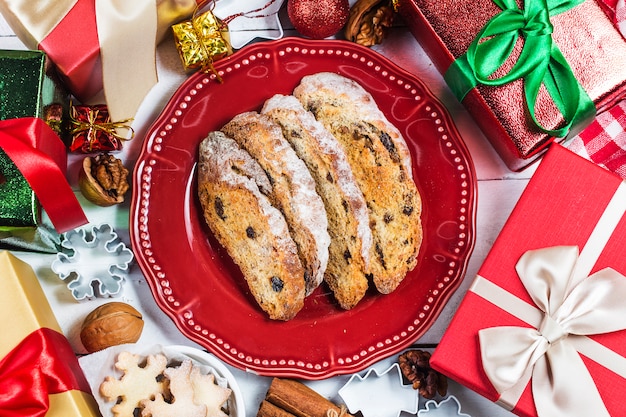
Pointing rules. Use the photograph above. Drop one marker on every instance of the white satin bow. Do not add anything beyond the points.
(572, 306)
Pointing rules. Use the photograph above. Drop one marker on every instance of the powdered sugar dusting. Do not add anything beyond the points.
(361, 101)
(218, 154)
(306, 204)
(331, 146)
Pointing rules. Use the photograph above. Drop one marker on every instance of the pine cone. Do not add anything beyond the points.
(415, 366)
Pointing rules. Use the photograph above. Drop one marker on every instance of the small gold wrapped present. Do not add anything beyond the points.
(201, 41)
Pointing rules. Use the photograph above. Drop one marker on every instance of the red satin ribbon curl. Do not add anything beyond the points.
(42, 364)
(40, 155)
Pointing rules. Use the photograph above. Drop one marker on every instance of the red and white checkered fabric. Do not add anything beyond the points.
(616, 10)
(604, 141)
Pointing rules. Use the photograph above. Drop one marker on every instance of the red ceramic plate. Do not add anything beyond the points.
(195, 282)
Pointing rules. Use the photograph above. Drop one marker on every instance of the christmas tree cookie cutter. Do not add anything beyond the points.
(380, 395)
(384, 394)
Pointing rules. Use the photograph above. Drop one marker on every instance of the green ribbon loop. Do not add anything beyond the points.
(540, 62)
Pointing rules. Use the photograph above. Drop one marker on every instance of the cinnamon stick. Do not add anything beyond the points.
(300, 400)
(267, 409)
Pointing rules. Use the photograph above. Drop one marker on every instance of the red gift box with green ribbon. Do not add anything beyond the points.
(530, 73)
(542, 329)
(39, 371)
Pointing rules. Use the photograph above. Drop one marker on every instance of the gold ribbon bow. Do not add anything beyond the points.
(92, 124)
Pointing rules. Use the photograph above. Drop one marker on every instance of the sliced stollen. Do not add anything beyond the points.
(381, 163)
(293, 193)
(348, 218)
(233, 189)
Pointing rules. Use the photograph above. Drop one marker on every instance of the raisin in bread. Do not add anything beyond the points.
(233, 189)
(381, 162)
(293, 193)
(348, 218)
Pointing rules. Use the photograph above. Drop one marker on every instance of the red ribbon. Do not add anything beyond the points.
(40, 155)
(42, 364)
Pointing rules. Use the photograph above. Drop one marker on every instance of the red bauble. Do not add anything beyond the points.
(318, 19)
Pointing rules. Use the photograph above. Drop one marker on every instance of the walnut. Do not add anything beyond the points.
(111, 324)
(415, 366)
(103, 180)
(369, 21)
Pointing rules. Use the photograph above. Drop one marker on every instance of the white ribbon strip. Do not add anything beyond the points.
(32, 21)
(569, 306)
(128, 32)
(127, 49)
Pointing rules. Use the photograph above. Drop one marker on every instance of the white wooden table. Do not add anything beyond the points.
(498, 191)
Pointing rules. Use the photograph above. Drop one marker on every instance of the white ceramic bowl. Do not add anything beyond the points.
(204, 358)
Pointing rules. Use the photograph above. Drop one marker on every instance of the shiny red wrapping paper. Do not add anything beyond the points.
(560, 206)
(592, 46)
(74, 48)
(86, 136)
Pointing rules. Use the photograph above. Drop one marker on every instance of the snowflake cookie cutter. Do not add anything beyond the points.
(94, 263)
(382, 395)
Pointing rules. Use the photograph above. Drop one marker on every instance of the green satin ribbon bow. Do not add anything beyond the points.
(540, 62)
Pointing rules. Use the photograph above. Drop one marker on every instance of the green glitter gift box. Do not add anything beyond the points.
(25, 91)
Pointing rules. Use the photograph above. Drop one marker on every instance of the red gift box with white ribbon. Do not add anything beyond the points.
(541, 329)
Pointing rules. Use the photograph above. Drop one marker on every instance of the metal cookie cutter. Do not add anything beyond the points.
(95, 264)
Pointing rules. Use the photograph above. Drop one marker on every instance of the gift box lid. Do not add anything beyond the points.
(568, 203)
(25, 86)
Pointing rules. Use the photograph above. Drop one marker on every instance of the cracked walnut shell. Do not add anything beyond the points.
(369, 20)
(103, 180)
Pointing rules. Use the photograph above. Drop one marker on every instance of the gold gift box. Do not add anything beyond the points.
(25, 309)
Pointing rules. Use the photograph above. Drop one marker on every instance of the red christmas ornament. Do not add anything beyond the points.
(318, 19)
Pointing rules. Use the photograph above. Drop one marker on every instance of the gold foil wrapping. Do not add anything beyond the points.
(201, 41)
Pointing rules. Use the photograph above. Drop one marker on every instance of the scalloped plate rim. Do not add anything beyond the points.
(276, 366)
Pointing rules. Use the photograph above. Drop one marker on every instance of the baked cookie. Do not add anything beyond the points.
(293, 187)
(136, 384)
(207, 392)
(348, 218)
(381, 163)
(181, 402)
(233, 191)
